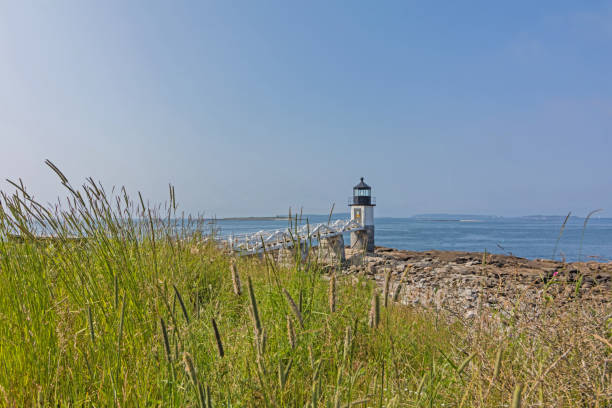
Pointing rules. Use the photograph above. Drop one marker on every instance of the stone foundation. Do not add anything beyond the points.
(286, 256)
(363, 240)
(331, 250)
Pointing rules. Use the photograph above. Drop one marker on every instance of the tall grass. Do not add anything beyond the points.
(560, 234)
(129, 305)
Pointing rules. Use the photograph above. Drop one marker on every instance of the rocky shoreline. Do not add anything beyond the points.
(464, 283)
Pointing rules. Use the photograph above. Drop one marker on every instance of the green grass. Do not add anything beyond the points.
(136, 311)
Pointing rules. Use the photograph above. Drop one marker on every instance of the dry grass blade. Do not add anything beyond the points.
(586, 220)
(291, 333)
(120, 336)
(300, 302)
(330, 213)
(465, 362)
(332, 293)
(358, 402)
(560, 234)
(496, 370)
(121, 320)
(166, 342)
(180, 299)
(57, 171)
(207, 396)
(91, 326)
(254, 310)
(545, 373)
(283, 373)
(516, 396)
(263, 340)
(235, 278)
(498, 358)
(294, 307)
(604, 341)
(375, 311)
(420, 387)
(387, 285)
(398, 288)
(191, 372)
(116, 291)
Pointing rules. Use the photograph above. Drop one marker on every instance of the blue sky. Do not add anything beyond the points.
(251, 107)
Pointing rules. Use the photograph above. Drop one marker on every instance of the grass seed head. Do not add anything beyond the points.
(348, 341)
(218, 338)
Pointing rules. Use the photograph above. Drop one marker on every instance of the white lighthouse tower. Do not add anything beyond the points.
(362, 211)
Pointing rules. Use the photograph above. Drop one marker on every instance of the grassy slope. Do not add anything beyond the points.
(81, 323)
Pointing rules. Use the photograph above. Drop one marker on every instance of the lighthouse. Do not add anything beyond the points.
(362, 211)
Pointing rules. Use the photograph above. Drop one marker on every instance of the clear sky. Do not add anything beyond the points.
(251, 107)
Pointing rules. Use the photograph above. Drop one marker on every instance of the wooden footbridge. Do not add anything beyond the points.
(288, 237)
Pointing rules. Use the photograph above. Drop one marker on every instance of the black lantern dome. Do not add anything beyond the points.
(362, 194)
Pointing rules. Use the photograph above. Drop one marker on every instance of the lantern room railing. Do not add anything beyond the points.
(361, 200)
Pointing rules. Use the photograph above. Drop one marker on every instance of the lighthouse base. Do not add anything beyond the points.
(331, 249)
(363, 240)
(289, 256)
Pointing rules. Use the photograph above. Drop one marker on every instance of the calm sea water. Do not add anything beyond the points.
(528, 237)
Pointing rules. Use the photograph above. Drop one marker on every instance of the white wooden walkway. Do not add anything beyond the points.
(286, 238)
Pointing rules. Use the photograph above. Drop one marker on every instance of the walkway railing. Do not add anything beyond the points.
(286, 238)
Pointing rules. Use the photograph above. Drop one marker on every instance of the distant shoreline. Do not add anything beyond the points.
(273, 218)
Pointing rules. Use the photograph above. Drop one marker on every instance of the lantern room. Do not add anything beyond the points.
(362, 194)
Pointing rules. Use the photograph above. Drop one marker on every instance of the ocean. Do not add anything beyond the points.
(528, 237)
